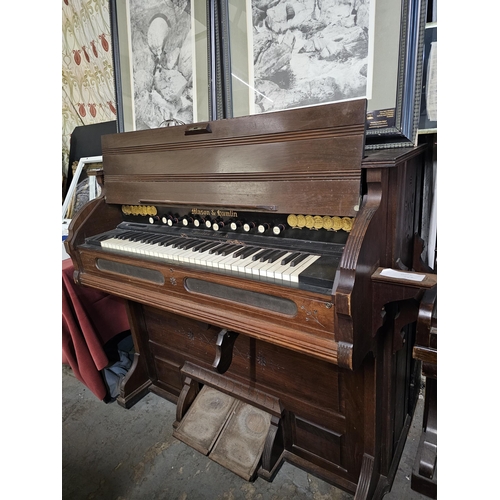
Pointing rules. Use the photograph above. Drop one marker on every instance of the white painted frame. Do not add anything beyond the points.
(72, 188)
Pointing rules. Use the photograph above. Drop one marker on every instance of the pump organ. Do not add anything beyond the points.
(253, 257)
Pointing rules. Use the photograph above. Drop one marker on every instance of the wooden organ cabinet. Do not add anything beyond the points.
(272, 287)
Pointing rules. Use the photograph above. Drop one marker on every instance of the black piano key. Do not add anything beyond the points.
(173, 241)
(189, 244)
(136, 236)
(179, 243)
(199, 245)
(215, 250)
(206, 246)
(288, 259)
(125, 235)
(247, 251)
(102, 237)
(119, 236)
(223, 249)
(156, 240)
(266, 255)
(298, 259)
(258, 255)
(276, 255)
(184, 243)
(240, 251)
(150, 239)
(166, 240)
(230, 250)
(96, 240)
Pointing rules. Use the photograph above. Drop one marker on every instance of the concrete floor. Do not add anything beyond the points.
(111, 453)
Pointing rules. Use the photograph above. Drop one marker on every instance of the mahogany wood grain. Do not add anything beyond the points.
(334, 369)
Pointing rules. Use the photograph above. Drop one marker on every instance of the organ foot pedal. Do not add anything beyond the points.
(231, 432)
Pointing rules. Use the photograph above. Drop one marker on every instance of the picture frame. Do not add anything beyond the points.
(428, 100)
(393, 113)
(184, 71)
(394, 104)
(86, 166)
(296, 53)
(80, 192)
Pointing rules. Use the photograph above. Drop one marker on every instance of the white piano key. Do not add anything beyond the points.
(200, 258)
(275, 267)
(256, 269)
(280, 270)
(284, 272)
(271, 266)
(190, 258)
(242, 263)
(215, 259)
(174, 253)
(226, 263)
(187, 255)
(294, 275)
(152, 250)
(110, 243)
(254, 266)
(131, 246)
(163, 251)
(230, 261)
(142, 248)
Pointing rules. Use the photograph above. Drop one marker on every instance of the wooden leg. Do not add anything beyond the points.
(272, 456)
(188, 394)
(135, 385)
(368, 479)
(423, 477)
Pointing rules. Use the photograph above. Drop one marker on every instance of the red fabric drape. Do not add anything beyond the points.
(89, 319)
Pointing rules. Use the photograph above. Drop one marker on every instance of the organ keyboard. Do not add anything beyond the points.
(309, 265)
(251, 253)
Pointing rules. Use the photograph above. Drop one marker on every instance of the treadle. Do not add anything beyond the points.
(205, 419)
(241, 443)
(231, 432)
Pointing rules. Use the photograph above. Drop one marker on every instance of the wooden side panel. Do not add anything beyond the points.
(316, 443)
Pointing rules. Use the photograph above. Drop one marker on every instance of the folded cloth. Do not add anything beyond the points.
(89, 319)
(114, 374)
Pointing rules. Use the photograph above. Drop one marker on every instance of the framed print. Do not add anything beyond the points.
(283, 54)
(393, 112)
(428, 104)
(294, 53)
(160, 62)
(186, 61)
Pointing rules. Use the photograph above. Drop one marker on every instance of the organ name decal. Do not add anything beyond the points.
(214, 212)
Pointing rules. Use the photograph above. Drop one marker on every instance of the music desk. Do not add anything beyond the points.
(90, 318)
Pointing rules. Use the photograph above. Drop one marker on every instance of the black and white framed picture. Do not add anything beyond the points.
(161, 62)
(182, 61)
(297, 53)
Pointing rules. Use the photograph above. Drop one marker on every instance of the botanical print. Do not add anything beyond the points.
(88, 93)
(162, 62)
(308, 52)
